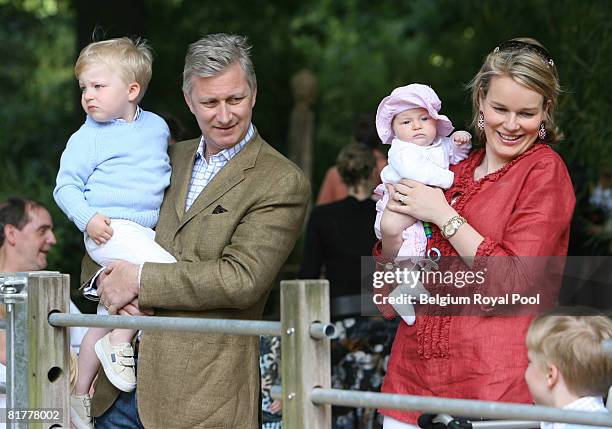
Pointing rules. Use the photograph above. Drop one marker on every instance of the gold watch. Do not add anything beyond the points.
(451, 226)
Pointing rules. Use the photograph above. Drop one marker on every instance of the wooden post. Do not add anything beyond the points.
(37, 354)
(42, 353)
(48, 358)
(305, 361)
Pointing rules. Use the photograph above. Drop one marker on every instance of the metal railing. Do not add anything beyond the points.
(38, 351)
(457, 407)
(213, 326)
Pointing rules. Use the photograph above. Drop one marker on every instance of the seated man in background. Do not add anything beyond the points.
(26, 236)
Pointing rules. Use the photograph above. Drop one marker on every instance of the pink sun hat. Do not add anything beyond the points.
(411, 96)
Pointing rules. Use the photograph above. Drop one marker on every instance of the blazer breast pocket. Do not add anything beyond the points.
(219, 209)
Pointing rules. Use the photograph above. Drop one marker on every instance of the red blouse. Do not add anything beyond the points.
(523, 209)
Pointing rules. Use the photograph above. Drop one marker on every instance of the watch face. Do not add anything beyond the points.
(449, 229)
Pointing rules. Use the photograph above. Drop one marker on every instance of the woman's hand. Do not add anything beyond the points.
(421, 201)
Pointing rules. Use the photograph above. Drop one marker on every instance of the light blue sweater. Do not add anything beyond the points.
(119, 169)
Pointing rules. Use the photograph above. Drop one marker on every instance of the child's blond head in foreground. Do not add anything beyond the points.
(567, 349)
(131, 59)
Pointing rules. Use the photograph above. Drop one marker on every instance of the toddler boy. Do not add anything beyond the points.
(568, 367)
(111, 183)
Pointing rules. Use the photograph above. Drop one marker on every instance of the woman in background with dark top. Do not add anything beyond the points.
(338, 236)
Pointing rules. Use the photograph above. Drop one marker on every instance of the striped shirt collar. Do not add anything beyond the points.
(230, 152)
(586, 403)
(136, 115)
(203, 172)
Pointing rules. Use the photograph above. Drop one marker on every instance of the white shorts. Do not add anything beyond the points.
(130, 242)
(391, 423)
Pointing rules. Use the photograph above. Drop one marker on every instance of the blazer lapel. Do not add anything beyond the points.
(182, 168)
(226, 179)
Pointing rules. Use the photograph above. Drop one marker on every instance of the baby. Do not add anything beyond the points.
(409, 120)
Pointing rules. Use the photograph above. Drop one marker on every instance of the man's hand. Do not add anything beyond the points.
(461, 137)
(132, 309)
(98, 228)
(119, 286)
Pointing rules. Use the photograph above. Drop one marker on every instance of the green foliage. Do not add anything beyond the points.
(37, 87)
(360, 50)
(175, 25)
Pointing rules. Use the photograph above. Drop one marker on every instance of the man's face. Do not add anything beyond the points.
(223, 106)
(35, 240)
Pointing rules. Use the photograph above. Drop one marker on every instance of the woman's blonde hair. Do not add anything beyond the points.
(527, 62)
(573, 343)
(132, 59)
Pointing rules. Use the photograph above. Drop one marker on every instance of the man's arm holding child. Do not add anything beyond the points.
(248, 264)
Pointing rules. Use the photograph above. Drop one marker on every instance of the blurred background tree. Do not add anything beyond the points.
(359, 50)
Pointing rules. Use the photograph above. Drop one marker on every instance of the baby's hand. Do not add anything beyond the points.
(98, 228)
(461, 137)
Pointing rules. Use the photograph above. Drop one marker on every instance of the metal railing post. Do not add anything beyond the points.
(38, 359)
(14, 292)
(305, 361)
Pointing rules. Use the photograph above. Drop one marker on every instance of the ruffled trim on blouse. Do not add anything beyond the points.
(466, 188)
(432, 336)
(473, 162)
(486, 247)
(433, 330)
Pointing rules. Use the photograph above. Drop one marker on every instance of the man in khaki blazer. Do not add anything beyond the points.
(230, 235)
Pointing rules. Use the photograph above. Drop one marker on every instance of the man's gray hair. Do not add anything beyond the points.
(213, 54)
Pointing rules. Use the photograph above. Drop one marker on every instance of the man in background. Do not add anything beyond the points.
(26, 237)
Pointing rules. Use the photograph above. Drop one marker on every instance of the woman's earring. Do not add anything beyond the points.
(480, 123)
(542, 132)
